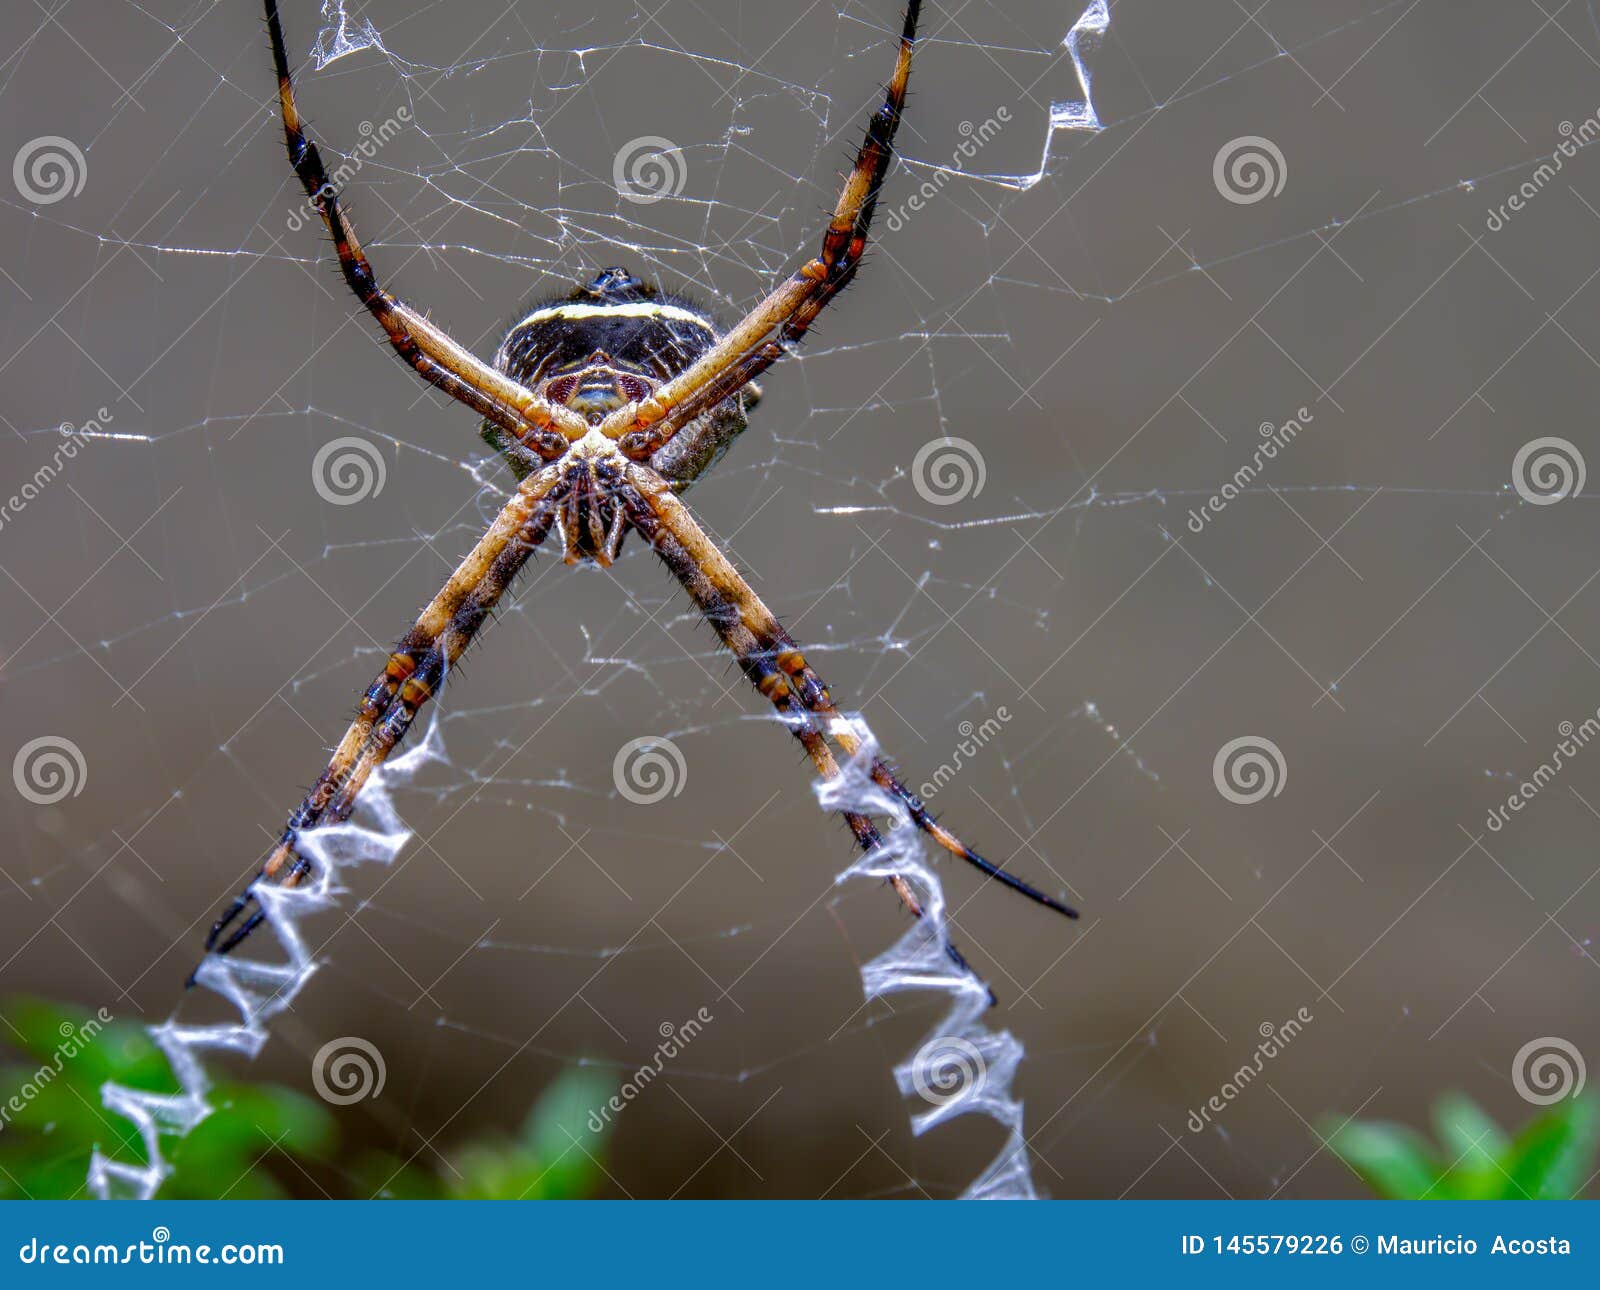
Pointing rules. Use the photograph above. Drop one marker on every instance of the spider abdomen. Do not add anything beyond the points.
(642, 330)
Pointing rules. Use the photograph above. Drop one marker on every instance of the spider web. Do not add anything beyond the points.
(972, 497)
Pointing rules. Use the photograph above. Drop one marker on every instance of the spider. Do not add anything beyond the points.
(608, 403)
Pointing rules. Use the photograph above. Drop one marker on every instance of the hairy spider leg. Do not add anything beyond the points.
(436, 357)
(740, 356)
(411, 676)
(784, 670)
(674, 536)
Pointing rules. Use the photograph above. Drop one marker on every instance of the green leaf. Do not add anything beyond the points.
(1395, 1162)
(495, 1173)
(1550, 1159)
(1466, 1132)
(229, 1152)
(298, 1124)
(35, 1026)
(1473, 1145)
(555, 1157)
(562, 1120)
(68, 1053)
(57, 1035)
(48, 1101)
(49, 1170)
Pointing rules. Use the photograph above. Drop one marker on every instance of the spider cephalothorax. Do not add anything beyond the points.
(608, 402)
(610, 343)
(602, 349)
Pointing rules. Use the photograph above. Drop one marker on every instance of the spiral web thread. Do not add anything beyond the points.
(962, 1067)
(258, 990)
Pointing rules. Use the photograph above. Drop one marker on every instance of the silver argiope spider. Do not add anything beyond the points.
(608, 402)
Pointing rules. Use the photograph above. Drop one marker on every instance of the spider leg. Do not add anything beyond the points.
(436, 357)
(745, 352)
(723, 615)
(788, 664)
(814, 695)
(775, 666)
(412, 675)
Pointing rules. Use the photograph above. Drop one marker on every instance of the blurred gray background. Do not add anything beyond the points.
(1102, 322)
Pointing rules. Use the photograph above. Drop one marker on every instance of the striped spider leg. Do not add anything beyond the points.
(410, 677)
(775, 665)
(608, 402)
